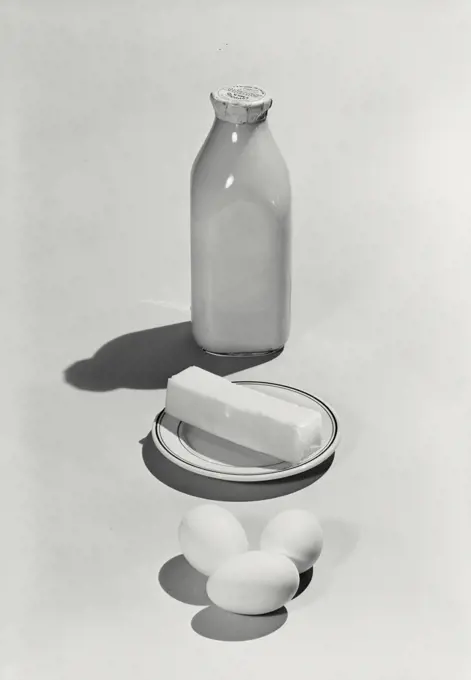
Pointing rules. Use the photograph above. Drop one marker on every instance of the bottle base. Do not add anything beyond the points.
(244, 354)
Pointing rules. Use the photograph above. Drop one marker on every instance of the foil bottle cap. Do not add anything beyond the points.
(241, 104)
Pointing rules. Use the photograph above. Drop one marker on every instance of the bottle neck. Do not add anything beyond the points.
(242, 128)
(237, 134)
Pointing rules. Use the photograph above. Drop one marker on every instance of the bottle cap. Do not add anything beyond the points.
(241, 104)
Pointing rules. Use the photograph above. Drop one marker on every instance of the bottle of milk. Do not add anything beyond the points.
(240, 230)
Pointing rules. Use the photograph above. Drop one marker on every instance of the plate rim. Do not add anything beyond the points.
(257, 476)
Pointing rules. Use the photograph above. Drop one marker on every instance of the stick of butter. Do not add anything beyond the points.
(243, 415)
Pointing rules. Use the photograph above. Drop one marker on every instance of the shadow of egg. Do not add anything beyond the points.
(182, 582)
(216, 624)
(304, 580)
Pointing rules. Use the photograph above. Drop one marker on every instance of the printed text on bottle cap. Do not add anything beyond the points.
(241, 93)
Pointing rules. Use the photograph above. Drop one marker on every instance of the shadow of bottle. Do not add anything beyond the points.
(145, 360)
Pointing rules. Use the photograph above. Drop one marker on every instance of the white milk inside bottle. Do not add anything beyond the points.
(240, 230)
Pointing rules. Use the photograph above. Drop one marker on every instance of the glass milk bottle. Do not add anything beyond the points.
(240, 230)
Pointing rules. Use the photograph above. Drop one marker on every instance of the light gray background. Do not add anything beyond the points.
(104, 106)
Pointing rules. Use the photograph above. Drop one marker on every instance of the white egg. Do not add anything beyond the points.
(253, 583)
(209, 535)
(296, 534)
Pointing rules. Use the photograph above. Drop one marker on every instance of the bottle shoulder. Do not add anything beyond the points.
(252, 166)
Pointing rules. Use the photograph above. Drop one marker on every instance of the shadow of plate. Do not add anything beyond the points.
(208, 488)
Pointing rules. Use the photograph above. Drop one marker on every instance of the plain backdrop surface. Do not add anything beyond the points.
(104, 106)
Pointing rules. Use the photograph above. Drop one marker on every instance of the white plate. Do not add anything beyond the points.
(210, 456)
